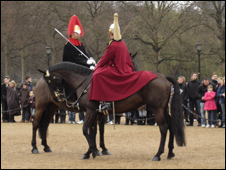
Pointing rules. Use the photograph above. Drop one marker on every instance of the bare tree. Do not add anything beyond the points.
(157, 23)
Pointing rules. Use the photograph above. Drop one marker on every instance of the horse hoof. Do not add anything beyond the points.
(156, 158)
(85, 157)
(170, 155)
(47, 150)
(35, 151)
(98, 153)
(106, 152)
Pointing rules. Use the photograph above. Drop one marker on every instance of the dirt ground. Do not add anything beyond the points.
(131, 147)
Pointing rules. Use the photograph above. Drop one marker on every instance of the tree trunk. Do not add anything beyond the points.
(6, 61)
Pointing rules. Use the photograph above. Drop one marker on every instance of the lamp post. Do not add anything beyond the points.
(48, 52)
(198, 46)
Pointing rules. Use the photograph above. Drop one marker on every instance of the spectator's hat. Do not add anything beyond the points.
(7, 76)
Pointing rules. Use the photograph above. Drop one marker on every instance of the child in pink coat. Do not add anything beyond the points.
(210, 106)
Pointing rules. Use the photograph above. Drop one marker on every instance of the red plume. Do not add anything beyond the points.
(74, 21)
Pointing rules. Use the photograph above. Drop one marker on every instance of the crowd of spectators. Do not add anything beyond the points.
(202, 101)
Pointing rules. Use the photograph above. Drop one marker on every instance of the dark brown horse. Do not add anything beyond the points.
(47, 96)
(156, 94)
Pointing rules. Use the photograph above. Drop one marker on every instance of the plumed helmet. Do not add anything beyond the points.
(115, 29)
(75, 26)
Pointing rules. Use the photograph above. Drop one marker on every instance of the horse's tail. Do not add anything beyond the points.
(177, 118)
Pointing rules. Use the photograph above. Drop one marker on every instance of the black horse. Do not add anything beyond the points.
(156, 94)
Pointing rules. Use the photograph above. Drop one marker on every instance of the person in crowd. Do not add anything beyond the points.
(62, 115)
(12, 102)
(194, 100)
(24, 97)
(4, 87)
(57, 115)
(118, 118)
(27, 80)
(129, 118)
(31, 102)
(109, 119)
(221, 95)
(184, 94)
(214, 81)
(217, 99)
(81, 118)
(142, 115)
(202, 89)
(210, 106)
(71, 117)
(150, 116)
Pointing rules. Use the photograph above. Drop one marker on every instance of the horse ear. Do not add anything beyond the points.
(41, 71)
(134, 55)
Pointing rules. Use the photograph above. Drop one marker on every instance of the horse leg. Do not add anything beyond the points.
(44, 124)
(89, 131)
(163, 126)
(171, 138)
(35, 125)
(101, 130)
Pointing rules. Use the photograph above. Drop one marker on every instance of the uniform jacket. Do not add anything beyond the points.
(210, 102)
(114, 78)
(71, 54)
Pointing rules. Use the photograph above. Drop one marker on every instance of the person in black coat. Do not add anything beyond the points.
(184, 95)
(194, 100)
(214, 82)
(4, 87)
(12, 102)
(202, 89)
(71, 54)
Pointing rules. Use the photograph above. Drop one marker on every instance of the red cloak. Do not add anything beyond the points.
(114, 78)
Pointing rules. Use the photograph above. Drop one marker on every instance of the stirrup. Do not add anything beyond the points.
(76, 106)
(104, 106)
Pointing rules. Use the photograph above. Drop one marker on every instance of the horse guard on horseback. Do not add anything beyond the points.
(113, 86)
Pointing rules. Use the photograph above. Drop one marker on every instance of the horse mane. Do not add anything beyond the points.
(72, 67)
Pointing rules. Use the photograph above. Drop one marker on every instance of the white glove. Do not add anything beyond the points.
(91, 61)
(91, 67)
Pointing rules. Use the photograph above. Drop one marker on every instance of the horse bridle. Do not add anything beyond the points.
(61, 97)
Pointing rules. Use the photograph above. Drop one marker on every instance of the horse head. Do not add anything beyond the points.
(55, 83)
